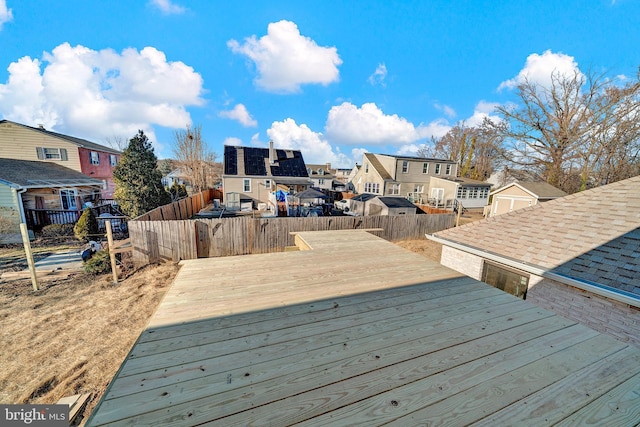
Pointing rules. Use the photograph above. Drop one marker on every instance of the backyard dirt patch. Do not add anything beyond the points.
(71, 336)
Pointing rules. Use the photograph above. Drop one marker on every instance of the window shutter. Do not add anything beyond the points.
(40, 152)
(63, 154)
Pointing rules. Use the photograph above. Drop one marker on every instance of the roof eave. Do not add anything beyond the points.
(596, 288)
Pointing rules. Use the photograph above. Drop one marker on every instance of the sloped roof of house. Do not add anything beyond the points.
(363, 197)
(34, 174)
(375, 163)
(467, 182)
(289, 163)
(72, 139)
(592, 236)
(541, 190)
(396, 202)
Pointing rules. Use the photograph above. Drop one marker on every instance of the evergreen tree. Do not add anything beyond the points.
(138, 181)
(87, 226)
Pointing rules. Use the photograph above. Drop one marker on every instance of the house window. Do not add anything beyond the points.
(246, 185)
(484, 193)
(405, 166)
(68, 199)
(418, 188)
(425, 168)
(113, 159)
(320, 171)
(437, 168)
(395, 189)
(371, 187)
(366, 168)
(267, 183)
(52, 153)
(321, 181)
(473, 192)
(461, 193)
(506, 279)
(448, 170)
(95, 158)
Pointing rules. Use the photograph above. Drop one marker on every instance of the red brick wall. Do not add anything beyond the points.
(103, 171)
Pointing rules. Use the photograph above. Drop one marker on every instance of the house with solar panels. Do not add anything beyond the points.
(253, 176)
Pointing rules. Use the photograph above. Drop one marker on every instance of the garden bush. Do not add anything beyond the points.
(87, 226)
(99, 263)
(58, 230)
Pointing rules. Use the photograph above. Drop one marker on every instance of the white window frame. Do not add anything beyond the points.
(405, 166)
(438, 166)
(425, 168)
(68, 195)
(94, 157)
(395, 190)
(366, 168)
(246, 185)
(52, 153)
(113, 159)
(447, 170)
(418, 188)
(267, 183)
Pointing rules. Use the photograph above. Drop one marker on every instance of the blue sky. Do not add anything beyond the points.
(333, 79)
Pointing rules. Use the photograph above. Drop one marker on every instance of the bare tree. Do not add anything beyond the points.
(117, 142)
(195, 160)
(475, 149)
(569, 130)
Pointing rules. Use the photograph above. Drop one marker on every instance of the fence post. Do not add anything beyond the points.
(29, 255)
(112, 254)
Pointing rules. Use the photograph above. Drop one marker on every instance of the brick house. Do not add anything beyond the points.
(577, 255)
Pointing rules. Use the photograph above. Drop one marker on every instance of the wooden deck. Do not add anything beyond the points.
(358, 331)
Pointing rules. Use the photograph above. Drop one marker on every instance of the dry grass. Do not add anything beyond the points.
(72, 336)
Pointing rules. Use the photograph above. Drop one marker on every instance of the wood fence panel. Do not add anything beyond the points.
(189, 239)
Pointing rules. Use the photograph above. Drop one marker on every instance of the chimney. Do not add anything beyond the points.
(272, 153)
(41, 126)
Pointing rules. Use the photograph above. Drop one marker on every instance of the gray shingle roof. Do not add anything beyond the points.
(396, 202)
(33, 174)
(541, 189)
(593, 235)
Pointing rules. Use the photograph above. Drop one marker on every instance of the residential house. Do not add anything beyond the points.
(508, 175)
(40, 193)
(409, 177)
(22, 142)
(578, 255)
(446, 192)
(252, 174)
(321, 176)
(342, 174)
(517, 195)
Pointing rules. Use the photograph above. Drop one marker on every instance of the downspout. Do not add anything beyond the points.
(596, 288)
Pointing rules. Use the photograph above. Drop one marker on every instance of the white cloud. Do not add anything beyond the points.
(447, 110)
(483, 110)
(232, 141)
(349, 124)
(167, 7)
(99, 94)
(378, 77)
(358, 153)
(539, 68)
(240, 114)
(285, 59)
(315, 149)
(6, 15)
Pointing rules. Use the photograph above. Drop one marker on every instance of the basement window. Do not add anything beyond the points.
(506, 279)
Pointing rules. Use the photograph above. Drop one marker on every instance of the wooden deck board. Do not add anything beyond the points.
(359, 331)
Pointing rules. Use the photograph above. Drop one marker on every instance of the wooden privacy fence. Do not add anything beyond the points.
(182, 209)
(202, 238)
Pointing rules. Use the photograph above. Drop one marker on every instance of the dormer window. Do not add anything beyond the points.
(320, 171)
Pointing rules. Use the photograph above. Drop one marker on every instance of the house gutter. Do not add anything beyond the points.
(596, 288)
